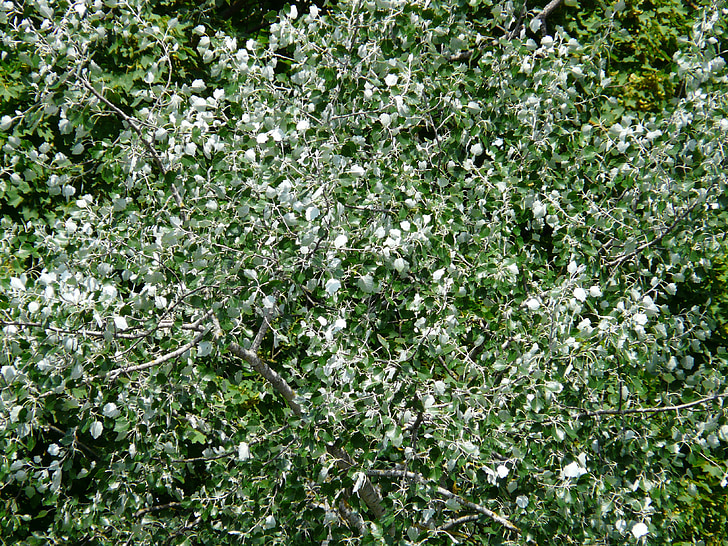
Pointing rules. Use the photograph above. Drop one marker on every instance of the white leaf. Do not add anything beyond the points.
(639, 530)
(573, 470)
(340, 241)
(8, 373)
(366, 283)
(120, 323)
(312, 213)
(96, 429)
(332, 286)
(391, 80)
(535, 24)
(243, 451)
(18, 283)
(539, 209)
(580, 293)
(110, 410)
(6, 123)
(360, 477)
(204, 348)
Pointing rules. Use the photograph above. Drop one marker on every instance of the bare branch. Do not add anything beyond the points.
(546, 11)
(267, 315)
(651, 410)
(448, 494)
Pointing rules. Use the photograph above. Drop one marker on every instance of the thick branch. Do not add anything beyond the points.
(367, 492)
(546, 11)
(448, 494)
(270, 375)
(354, 520)
(651, 410)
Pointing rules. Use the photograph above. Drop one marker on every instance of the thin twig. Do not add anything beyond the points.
(651, 410)
(370, 209)
(163, 325)
(156, 508)
(656, 240)
(134, 124)
(83, 446)
(231, 451)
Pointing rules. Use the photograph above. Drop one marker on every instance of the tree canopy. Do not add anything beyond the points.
(384, 272)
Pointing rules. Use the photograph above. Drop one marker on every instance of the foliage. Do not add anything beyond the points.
(643, 35)
(472, 284)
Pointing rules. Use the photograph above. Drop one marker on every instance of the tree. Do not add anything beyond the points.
(389, 273)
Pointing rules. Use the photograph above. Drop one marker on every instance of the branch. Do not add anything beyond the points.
(445, 493)
(651, 410)
(156, 508)
(352, 518)
(113, 375)
(367, 492)
(270, 375)
(546, 11)
(460, 521)
(653, 242)
(163, 324)
(135, 127)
